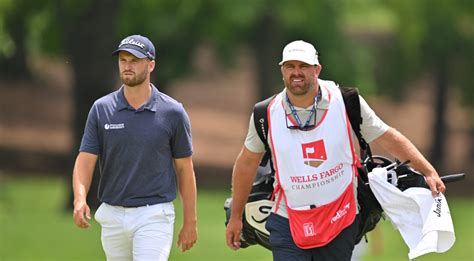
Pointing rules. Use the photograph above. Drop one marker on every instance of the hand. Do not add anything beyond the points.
(82, 214)
(187, 237)
(233, 231)
(436, 184)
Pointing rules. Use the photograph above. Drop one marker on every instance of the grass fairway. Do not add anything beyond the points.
(33, 226)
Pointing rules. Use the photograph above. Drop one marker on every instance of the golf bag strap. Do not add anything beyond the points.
(260, 119)
(350, 96)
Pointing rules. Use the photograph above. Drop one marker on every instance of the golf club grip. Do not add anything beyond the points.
(452, 177)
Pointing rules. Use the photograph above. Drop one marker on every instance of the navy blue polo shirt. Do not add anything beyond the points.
(136, 147)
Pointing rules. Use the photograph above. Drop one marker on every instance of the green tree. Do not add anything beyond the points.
(428, 36)
(435, 37)
(88, 32)
(18, 21)
(263, 26)
(178, 27)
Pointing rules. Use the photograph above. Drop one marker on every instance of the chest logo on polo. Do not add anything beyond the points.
(114, 126)
(314, 153)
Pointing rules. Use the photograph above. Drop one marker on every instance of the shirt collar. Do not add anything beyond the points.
(150, 105)
(122, 103)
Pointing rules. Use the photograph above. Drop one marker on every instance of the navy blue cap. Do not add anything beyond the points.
(140, 46)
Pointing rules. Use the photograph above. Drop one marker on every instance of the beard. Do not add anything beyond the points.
(299, 88)
(135, 80)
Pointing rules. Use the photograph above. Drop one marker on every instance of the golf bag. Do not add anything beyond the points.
(256, 210)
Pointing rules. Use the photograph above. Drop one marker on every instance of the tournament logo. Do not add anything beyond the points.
(308, 229)
(314, 153)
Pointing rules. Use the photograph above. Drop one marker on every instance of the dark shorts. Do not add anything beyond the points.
(284, 249)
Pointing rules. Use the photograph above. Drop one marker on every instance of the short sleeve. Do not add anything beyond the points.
(90, 139)
(253, 141)
(372, 126)
(181, 143)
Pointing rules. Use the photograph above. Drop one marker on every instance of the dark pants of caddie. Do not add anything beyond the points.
(284, 248)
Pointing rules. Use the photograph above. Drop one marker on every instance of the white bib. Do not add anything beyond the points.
(316, 166)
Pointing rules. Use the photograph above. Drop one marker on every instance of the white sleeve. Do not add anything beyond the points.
(252, 141)
(372, 126)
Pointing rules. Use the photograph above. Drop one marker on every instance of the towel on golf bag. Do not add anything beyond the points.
(423, 221)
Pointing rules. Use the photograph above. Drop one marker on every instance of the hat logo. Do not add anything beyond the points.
(132, 42)
(296, 50)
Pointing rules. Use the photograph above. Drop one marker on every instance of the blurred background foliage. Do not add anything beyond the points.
(420, 36)
(412, 37)
(378, 46)
(382, 47)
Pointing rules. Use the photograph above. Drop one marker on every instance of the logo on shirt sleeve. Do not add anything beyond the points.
(314, 153)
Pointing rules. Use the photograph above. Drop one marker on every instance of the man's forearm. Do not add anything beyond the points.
(242, 179)
(82, 175)
(403, 149)
(187, 188)
(187, 191)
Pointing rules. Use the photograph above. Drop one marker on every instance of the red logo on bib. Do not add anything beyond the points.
(314, 153)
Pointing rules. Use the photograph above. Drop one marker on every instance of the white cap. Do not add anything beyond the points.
(300, 51)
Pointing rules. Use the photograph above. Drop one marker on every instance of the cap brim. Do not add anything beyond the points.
(132, 51)
(315, 62)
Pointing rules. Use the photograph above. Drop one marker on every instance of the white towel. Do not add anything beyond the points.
(423, 221)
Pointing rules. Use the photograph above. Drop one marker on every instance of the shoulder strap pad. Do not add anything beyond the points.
(350, 96)
(352, 103)
(260, 119)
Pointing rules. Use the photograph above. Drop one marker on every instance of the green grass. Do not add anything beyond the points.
(34, 226)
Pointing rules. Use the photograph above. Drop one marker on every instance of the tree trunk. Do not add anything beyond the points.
(471, 138)
(16, 67)
(439, 127)
(90, 39)
(267, 55)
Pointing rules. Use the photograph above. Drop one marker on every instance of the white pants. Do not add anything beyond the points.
(141, 233)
